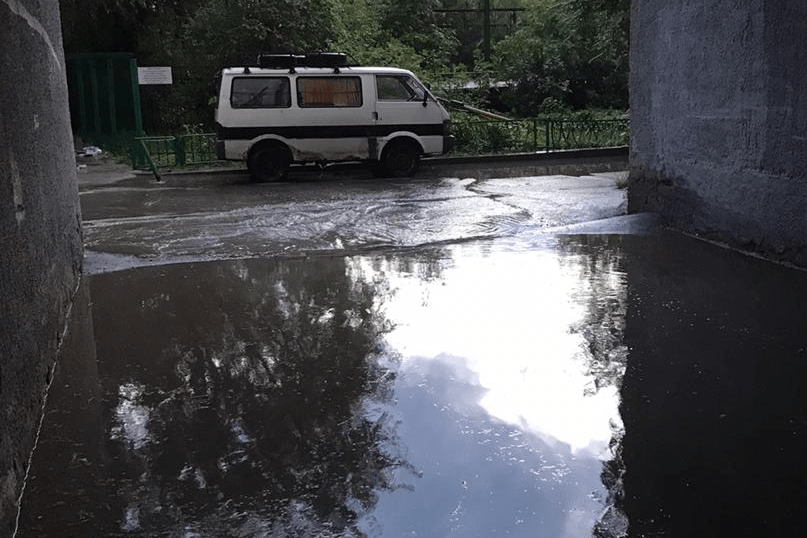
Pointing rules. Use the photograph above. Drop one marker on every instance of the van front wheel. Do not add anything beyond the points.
(401, 159)
(269, 163)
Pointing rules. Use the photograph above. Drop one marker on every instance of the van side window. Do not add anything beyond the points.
(318, 92)
(260, 92)
(398, 88)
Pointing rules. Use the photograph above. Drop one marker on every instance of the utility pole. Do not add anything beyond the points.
(486, 29)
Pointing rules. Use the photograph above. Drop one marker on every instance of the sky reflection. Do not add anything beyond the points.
(467, 390)
(511, 317)
(456, 391)
(495, 392)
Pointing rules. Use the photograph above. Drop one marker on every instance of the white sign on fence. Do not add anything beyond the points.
(154, 75)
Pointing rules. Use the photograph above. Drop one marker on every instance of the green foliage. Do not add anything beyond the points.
(226, 32)
(414, 23)
(398, 33)
(475, 137)
(216, 34)
(553, 56)
(573, 52)
(358, 31)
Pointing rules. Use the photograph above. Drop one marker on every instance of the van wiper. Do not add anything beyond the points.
(255, 99)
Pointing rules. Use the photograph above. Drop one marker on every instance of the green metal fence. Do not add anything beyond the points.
(478, 137)
(154, 152)
(572, 134)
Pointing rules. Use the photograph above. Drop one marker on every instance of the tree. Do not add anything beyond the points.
(415, 24)
(573, 52)
(221, 33)
(100, 25)
(253, 412)
(358, 32)
(568, 53)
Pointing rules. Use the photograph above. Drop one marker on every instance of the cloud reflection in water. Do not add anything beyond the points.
(503, 405)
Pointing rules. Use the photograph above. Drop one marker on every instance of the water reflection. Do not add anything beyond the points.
(233, 401)
(541, 332)
(467, 391)
(604, 283)
(514, 382)
(472, 390)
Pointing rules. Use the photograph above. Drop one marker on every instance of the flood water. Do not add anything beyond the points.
(559, 386)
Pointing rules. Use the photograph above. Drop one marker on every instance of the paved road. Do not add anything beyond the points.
(137, 221)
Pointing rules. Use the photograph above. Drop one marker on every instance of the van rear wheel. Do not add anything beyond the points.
(269, 163)
(401, 159)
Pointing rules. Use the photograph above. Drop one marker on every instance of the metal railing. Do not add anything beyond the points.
(476, 137)
(484, 137)
(154, 152)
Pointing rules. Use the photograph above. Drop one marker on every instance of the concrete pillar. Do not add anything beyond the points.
(40, 229)
(718, 115)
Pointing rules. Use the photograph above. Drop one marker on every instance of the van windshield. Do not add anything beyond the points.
(260, 92)
(399, 88)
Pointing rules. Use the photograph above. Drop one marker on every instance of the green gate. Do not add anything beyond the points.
(104, 98)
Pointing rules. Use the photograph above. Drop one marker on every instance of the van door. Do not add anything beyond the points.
(332, 118)
(405, 108)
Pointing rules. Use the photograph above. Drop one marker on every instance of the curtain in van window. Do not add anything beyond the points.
(329, 91)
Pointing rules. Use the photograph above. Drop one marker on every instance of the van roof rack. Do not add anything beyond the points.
(289, 61)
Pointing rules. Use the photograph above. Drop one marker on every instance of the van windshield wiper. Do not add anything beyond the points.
(255, 99)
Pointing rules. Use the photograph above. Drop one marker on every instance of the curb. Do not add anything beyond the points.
(508, 160)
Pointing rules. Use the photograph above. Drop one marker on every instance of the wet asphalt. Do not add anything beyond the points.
(140, 221)
(444, 356)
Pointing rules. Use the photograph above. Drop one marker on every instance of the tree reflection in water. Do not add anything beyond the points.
(241, 404)
(603, 287)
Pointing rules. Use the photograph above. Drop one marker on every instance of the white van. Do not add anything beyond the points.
(315, 109)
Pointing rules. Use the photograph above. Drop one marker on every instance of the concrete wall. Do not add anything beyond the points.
(40, 228)
(719, 120)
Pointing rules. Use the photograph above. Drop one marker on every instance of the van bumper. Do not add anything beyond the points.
(448, 143)
(220, 154)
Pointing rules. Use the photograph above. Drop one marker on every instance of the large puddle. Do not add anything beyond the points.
(571, 386)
